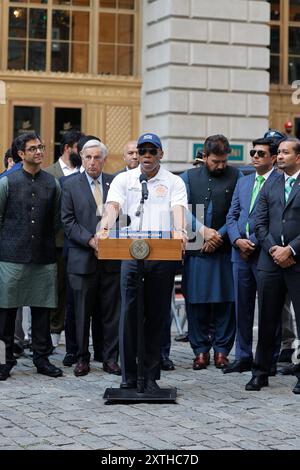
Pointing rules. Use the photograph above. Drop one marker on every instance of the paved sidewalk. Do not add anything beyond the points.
(213, 411)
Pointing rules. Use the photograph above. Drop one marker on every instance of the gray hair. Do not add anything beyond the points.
(95, 143)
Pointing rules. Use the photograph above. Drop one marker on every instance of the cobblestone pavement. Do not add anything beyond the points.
(213, 411)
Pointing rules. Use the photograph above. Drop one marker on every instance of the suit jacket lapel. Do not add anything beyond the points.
(281, 186)
(295, 189)
(251, 184)
(86, 189)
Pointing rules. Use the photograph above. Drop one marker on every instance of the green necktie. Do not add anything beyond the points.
(288, 187)
(259, 181)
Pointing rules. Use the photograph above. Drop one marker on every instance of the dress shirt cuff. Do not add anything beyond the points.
(292, 250)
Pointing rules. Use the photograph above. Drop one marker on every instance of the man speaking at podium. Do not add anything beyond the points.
(162, 210)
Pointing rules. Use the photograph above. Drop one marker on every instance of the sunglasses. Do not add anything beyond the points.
(260, 153)
(145, 150)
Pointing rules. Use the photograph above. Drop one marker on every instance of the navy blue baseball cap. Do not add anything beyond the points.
(274, 134)
(149, 139)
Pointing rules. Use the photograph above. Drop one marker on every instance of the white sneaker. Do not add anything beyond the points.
(55, 337)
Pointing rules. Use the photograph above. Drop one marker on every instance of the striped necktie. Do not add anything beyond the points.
(288, 187)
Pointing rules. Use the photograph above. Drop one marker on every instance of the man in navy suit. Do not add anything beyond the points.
(278, 231)
(95, 283)
(240, 227)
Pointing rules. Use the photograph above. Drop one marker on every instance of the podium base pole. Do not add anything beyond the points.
(131, 395)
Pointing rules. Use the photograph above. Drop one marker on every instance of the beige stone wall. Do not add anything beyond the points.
(205, 71)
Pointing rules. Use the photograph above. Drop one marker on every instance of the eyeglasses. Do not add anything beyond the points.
(260, 153)
(145, 150)
(34, 149)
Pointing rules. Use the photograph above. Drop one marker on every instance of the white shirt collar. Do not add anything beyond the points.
(266, 175)
(295, 175)
(91, 180)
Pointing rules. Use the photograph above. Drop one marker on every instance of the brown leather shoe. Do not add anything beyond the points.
(201, 361)
(81, 368)
(220, 360)
(112, 368)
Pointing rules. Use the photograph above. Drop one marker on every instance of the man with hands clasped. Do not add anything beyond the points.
(278, 231)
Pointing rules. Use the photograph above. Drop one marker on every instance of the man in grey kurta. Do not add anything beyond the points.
(29, 214)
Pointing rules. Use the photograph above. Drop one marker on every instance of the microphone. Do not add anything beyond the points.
(143, 181)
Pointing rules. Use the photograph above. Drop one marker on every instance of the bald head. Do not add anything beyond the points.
(130, 155)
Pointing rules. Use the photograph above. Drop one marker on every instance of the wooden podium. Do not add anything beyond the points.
(140, 249)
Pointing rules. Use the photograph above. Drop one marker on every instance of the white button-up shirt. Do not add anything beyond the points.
(165, 191)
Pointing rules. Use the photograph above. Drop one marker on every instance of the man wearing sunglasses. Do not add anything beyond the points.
(29, 215)
(277, 229)
(163, 211)
(240, 227)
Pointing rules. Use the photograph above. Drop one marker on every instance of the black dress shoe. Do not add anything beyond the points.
(69, 359)
(296, 389)
(4, 372)
(167, 364)
(18, 349)
(291, 369)
(112, 368)
(257, 382)
(46, 368)
(152, 386)
(237, 366)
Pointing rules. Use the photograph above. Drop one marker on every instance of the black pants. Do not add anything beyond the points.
(272, 290)
(41, 339)
(97, 294)
(158, 287)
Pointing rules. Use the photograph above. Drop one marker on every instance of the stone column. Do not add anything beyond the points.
(204, 65)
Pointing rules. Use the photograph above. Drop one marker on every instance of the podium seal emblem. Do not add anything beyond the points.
(139, 249)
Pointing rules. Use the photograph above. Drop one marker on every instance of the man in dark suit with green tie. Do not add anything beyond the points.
(278, 231)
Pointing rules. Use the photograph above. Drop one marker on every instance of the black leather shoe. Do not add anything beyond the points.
(291, 369)
(152, 386)
(296, 389)
(256, 383)
(112, 368)
(4, 372)
(69, 360)
(237, 366)
(167, 364)
(49, 369)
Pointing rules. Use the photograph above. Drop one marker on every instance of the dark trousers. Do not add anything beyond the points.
(166, 337)
(245, 288)
(272, 290)
(200, 326)
(41, 339)
(158, 286)
(97, 294)
(70, 323)
(57, 318)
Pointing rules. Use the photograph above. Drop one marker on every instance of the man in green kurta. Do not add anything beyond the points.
(29, 216)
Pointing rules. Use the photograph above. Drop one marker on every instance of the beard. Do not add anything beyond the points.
(217, 173)
(75, 159)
